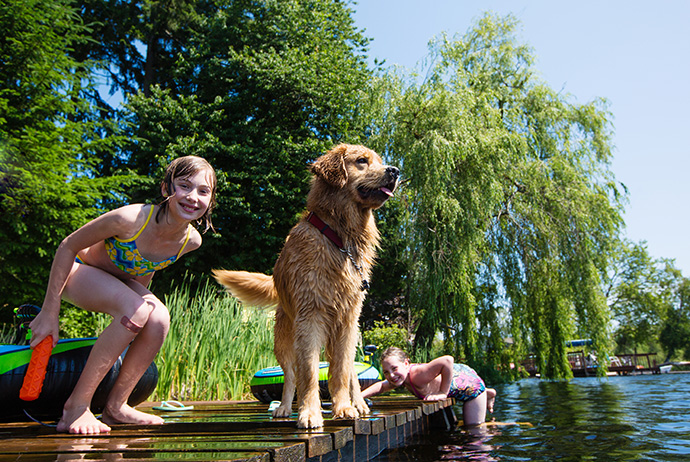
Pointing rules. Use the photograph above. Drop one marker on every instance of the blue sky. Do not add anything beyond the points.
(635, 54)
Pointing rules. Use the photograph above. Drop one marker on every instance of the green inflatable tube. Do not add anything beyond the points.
(267, 384)
(64, 368)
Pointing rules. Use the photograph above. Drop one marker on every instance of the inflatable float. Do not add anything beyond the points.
(267, 384)
(64, 367)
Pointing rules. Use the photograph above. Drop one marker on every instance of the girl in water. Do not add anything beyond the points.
(437, 379)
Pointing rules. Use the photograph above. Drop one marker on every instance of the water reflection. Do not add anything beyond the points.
(472, 444)
(614, 419)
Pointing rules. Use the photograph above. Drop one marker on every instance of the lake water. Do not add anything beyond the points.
(628, 418)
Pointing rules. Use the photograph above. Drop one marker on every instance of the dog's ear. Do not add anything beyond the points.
(331, 166)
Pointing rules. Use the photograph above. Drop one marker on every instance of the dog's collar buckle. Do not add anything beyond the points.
(335, 239)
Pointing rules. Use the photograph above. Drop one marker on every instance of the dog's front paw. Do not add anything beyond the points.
(310, 418)
(361, 407)
(282, 411)
(345, 412)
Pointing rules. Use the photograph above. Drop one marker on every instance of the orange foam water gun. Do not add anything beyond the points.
(36, 372)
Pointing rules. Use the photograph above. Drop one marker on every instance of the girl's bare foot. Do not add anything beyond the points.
(82, 421)
(126, 414)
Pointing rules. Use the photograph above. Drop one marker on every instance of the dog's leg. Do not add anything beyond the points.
(340, 382)
(308, 341)
(356, 396)
(285, 354)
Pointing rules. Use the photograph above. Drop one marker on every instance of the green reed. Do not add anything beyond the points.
(214, 346)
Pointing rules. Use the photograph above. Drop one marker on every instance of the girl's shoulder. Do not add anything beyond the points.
(128, 219)
(131, 211)
(425, 372)
(194, 240)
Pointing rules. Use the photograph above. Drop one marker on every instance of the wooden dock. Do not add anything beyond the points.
(623, 364)
(235, 431)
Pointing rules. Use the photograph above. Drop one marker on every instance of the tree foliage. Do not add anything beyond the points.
(512, 206)
(385, 336)
(675, 332)
(257, 88)
(649, 301)
(49, 134)
(260, 90)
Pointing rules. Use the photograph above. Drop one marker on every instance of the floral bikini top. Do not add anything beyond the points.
(125, 255)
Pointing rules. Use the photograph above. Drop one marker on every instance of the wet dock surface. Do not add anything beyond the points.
(234, 431)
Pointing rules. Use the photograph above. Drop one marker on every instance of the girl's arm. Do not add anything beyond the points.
(427, 373)
(116, 222)
(377, 388)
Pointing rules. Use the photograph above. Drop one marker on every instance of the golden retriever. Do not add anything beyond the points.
(320, 279)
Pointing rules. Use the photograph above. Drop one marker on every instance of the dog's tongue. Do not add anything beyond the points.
(387, 191)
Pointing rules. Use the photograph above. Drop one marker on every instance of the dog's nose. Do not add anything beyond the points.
(394, 172)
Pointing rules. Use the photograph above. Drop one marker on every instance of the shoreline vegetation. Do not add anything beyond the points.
(214, 347)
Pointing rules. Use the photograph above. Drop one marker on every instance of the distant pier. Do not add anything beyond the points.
(584, 365)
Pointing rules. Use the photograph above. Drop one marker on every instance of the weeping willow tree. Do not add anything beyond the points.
(511, 202)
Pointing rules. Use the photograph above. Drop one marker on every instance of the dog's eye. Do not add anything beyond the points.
(362, 160)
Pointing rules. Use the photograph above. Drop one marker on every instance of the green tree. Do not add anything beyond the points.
(640, 294)
(136, 44)
(386, 300)
(133, 45)
(258, 88)
(675, 331)
(385, 335)
(262, 89)
(48, 135)
(512, 205)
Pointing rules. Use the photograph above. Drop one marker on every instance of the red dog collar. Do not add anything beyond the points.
(325, 229)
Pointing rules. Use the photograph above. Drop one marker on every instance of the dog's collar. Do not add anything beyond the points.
(334, 238)
(325, 229)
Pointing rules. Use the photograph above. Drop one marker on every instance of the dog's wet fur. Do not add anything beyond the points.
(315, 286)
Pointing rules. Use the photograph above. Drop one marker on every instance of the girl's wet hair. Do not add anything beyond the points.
(394, 352)
(184, 167)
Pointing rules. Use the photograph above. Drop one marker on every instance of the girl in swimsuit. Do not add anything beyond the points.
(438, 379)
(106, 266)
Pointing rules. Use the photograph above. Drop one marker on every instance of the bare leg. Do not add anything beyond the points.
(474, 410)
(94, 289)
(137, 360)
(76, 415)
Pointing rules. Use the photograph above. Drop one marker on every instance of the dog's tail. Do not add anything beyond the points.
(254, 289)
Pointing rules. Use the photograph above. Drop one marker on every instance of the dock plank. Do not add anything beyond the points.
(141, 457)
(234, 431)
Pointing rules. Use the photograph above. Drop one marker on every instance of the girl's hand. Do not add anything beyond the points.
(435, 396)
(43, 325)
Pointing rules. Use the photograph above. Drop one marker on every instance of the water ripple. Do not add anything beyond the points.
(632, 418)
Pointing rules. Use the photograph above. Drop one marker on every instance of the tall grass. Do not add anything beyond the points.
(7, 334)
(214, 346)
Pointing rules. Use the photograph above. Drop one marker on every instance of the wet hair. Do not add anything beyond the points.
(184, 167)
(394, 352)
